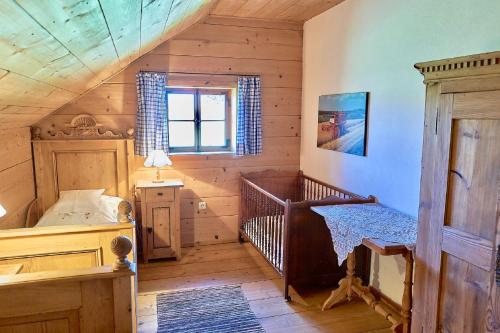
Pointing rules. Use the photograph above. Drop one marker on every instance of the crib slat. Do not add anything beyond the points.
(271, 228)
(257, 214)
(280, 242)
(268, 222)
(266, 227)
(261, 224)
(244, 208)
(276, 240)
(310, 194)
(254, 212)
(264, 245)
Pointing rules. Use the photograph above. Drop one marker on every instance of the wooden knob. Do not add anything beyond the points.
(124, 212)
(121, 247)
(35, 133)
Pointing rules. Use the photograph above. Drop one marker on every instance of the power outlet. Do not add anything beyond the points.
(202, 205)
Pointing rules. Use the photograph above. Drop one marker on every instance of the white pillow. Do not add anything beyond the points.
(109, 207)
(78, 201)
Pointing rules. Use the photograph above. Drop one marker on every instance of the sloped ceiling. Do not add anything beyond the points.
(53, 51)
(288, 10)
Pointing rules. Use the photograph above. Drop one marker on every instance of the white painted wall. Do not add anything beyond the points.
(368, 45)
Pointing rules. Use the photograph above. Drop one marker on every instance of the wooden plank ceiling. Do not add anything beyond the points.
(52, 51)
(288, 10)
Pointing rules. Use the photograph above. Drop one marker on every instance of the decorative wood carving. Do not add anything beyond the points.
(35, 133)
(352, 285)
(479, 64)
(125, 212)
(131, 133)
(121, 247)
(83, 126)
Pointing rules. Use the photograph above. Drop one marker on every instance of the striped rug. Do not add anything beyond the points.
(209, 310)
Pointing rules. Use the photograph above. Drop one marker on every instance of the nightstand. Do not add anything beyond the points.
(161, 223)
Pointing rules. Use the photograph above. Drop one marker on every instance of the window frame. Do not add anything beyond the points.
(197, 93)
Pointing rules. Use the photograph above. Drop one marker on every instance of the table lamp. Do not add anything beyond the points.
(158, 159)
(2, 211)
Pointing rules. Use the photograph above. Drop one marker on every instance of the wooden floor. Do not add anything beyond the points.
(235, 263)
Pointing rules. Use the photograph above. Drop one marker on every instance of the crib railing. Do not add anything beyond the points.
(275, 216)
(263, 222)
(313, 189)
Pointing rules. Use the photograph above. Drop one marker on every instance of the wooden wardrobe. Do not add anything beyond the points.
(458, 255)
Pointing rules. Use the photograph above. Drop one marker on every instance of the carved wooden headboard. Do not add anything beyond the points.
(84, 156)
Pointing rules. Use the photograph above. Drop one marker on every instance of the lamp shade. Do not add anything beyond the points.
(157, 158)
(2, 211)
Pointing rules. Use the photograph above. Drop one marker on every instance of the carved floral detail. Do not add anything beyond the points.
(83, 126)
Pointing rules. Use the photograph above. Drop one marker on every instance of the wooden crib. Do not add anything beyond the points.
(276, 218)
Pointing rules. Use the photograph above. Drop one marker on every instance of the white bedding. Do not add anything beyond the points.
(106, 213)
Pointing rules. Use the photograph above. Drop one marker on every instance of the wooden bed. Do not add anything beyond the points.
(85, 300)
(276, 218)
(81, 156)
(67, 278)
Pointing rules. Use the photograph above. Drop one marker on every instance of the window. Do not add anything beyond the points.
(199, 120)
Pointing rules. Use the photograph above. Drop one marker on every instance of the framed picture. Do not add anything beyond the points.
(342, 122)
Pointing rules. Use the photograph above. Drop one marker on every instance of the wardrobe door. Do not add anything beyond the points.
(460, 201)
(470, 221)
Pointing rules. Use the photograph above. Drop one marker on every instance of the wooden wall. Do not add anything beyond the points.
(17, 188)
(212, 53)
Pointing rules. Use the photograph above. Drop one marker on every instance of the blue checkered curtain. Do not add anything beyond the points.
(248, 119)
(152, 117)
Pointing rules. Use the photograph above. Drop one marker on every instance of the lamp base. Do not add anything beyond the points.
(158, 179)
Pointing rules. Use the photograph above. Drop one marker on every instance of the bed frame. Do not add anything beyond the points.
(69, 275)
(276, 218)
(85, 300)
(83, 155)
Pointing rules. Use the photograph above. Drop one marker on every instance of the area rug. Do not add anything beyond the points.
(209, 310)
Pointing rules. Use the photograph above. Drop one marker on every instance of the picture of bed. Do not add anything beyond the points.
(342, 122)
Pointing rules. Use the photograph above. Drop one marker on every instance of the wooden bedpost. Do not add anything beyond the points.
(125, 212)
(34, 214)
(121, 247)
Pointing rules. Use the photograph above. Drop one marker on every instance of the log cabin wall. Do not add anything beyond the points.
(212, 53)
(17, 188)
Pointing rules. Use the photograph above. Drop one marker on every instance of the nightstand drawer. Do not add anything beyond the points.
(159, 194)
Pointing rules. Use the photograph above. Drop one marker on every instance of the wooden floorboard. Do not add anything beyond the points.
(241, 264)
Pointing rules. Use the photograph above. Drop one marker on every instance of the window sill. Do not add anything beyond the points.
(203, 153)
